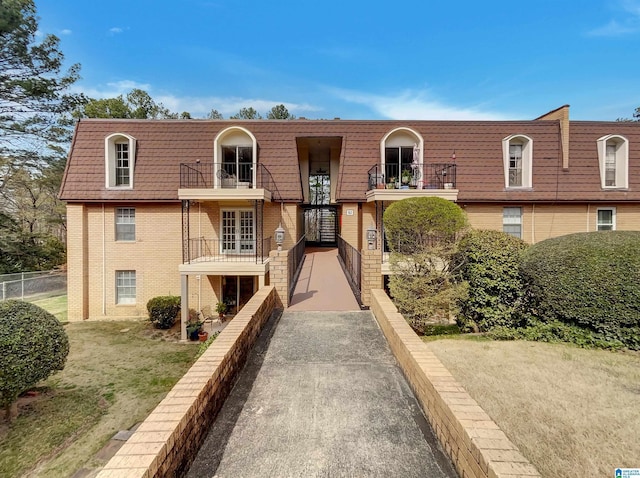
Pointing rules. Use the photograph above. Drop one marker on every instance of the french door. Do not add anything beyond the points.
(238, 231)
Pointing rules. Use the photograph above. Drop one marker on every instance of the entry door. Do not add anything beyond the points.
(238, 232)
(321, 226)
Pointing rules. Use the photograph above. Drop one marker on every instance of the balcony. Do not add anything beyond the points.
(226, 181)
(392, 183)
(215, 256)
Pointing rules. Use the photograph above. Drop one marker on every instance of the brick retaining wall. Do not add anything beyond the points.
(476, 445)
(166, 443)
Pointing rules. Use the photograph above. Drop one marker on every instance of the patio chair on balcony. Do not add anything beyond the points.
(226, 180)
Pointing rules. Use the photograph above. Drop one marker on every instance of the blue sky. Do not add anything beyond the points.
(359, 60)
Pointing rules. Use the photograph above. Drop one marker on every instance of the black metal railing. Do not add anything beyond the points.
(296, 255)
(351, 261)
(216, 250)
(419, 176)
(228, 175)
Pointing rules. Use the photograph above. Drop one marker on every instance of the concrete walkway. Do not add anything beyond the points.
(322, 284)
(321, 396)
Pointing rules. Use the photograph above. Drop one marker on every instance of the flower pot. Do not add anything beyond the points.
(203, 336)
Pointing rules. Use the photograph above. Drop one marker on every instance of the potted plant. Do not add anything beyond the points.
(392, 183)
(406, 176)
(193, 329)
(221, 308)
(203, 335)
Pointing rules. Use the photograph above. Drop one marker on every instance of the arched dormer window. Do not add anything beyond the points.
(613, 157)
(401, 152)
(517, 154)
(119, 154)
(234, 158)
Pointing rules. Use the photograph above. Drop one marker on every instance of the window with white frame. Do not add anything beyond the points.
(402, 158)
(235, 158)
(613, 156)
(119, 160)
(606, 219)
(125, 287)
(125, 224)
(238, 231)
(512, 221)
(517, 153)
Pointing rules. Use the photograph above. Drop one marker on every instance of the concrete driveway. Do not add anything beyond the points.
(321, 396)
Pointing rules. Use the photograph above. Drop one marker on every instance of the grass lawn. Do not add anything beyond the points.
(571, 411)
(116, 373)
(57, 305)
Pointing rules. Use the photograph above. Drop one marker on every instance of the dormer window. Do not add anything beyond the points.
(517, 151)
(119, 160)
(235, 153)
(613, 156)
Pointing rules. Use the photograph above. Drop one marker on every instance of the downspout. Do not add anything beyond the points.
(533, 224)
(199, 276)
(588, 214)
(104, 263)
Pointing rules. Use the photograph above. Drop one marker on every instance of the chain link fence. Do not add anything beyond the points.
(28, 284)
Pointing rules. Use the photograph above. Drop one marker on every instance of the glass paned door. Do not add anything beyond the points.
(238, 232)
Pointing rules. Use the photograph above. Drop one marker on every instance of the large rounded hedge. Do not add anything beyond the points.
(163, 310)
(591, 280)
(488, 261)
(413, 224)
(33, 344)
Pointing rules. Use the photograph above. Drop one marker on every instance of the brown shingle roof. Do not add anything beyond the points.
(163, 144)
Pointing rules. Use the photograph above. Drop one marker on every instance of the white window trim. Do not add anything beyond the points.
(129, 300)
(613, 217)
(622, 160)
(217, 151)
(527, 160)
(110, 159)
(513, 223)
(402, 129)
(116, 224)
(253, 228)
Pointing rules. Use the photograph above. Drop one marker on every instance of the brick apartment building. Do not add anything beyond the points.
(157, 207)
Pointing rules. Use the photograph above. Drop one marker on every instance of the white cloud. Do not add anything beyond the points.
(200, 106)
(110, 90)
(629, 24)
(409, 105)
(66, 31)
(115, 30)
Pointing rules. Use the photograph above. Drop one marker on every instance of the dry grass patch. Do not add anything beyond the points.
(572, 412)
(116, 373)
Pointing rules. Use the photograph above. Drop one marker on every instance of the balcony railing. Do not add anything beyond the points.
(203, 175)
(216, 250)
(420, 176)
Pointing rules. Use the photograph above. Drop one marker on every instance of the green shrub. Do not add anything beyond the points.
(489, 262)
(589, 280)
(33, 344)
(422, 234)
(416, 224)
(163, 311)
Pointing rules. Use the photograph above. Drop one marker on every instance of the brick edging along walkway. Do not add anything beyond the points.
(474, 442)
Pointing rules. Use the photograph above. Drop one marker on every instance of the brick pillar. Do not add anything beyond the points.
(279, 274)
(371, 277)
(77, 263)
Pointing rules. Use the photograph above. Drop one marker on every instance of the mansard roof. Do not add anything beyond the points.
(161, 145)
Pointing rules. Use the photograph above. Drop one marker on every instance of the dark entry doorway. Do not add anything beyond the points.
(236, 292)
(321, 225)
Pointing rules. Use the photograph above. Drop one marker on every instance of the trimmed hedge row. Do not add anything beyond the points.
(591, 280)
(489, 261)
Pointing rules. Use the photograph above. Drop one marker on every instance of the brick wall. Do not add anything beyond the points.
(472, 440)
(371, 277)
(279, 274)
(166, 443)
